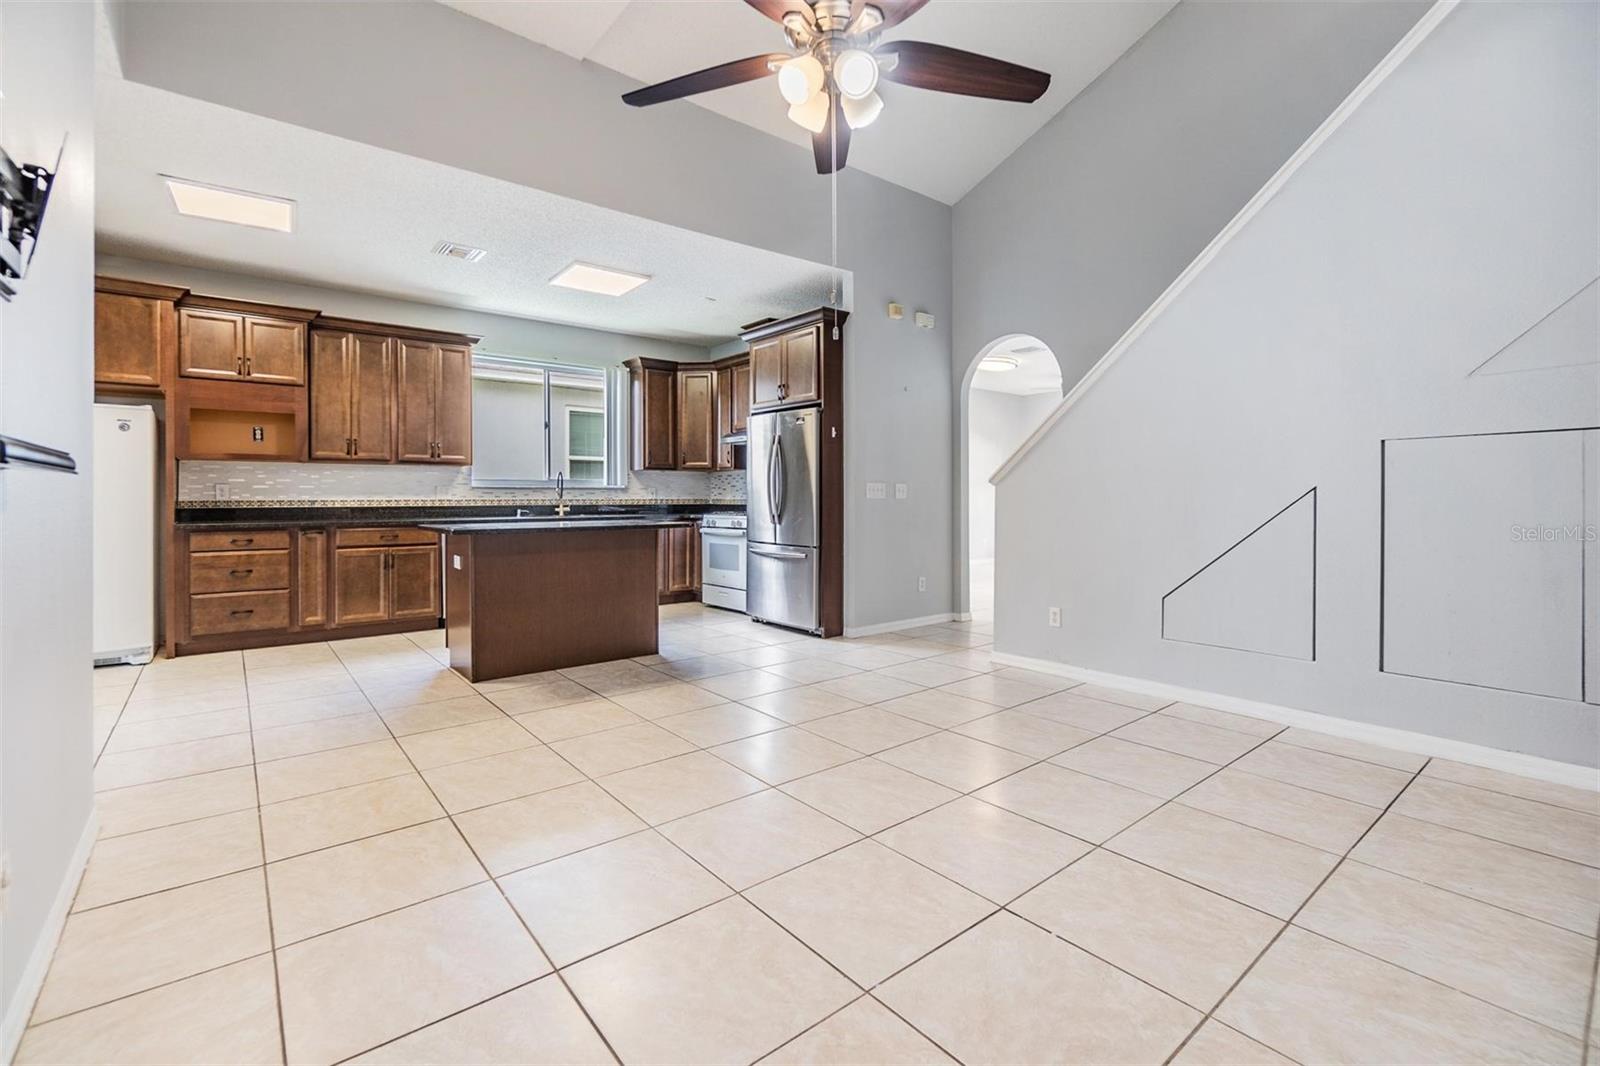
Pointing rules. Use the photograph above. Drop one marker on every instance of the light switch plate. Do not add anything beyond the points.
(455, 561)
(877, 490)
(901, 490)
(221, 490)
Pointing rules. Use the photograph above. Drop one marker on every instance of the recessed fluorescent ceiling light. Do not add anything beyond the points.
(199, 200)
(998, 364)
(606, 282)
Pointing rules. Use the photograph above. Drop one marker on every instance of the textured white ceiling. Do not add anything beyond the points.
(367, 219)
(933, 143)
(1037, 371)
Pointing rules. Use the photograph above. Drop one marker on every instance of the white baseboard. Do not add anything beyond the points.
(904, 623)
(44, 949)
(1511, 762)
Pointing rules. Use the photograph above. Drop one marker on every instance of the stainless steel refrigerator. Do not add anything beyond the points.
(784, 465)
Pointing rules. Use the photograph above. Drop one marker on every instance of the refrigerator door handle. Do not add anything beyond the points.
(772, 462)
(768, 553)
(781, 495)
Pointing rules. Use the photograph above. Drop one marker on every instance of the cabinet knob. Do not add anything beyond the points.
(246, 611)
(355, 445)
(242, 540)
(241, 573)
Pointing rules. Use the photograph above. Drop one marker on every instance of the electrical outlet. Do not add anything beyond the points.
(1055, 618)
(221, 488)
(901, 490)
(922, 584)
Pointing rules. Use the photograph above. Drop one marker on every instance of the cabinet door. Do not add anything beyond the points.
(655, 444)
(210, 343)
(274, 351)
(741, 398)
(418, 374)
(452, 407)
(802, 365)
(360, 586)
(766, 373)
(697, 442)
(681, 559)
(724, 418)
(414, 582)
(371, 398)
(311, 578)
(330, 394)
(129, 334)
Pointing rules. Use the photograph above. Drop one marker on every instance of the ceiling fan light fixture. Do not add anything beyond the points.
(811, 115)
(863, 112)
(855, 72)
(800, 79)
(998, 364)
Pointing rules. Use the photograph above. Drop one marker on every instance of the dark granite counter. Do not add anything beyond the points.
(223, 517)
(545, 525)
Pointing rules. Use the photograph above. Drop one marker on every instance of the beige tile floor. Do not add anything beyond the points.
(758, 846)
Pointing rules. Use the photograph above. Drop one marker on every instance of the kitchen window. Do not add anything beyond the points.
(533, 420)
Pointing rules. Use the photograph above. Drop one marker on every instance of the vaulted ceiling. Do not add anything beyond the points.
(933, 143)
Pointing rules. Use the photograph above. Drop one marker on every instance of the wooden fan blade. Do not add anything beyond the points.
(822, 144)
(717, 77)
(950, 70)
(776, 9)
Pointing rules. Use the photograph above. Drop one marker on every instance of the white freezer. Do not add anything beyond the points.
(124, 475)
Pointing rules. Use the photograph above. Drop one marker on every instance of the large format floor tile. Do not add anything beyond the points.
(1304, 994)
(1084, 806)
(864, 1032)
(452, 951)
(1557, 831)
(760, 836)
(1137, 766)
(1322, 821)
(536, 1024)
(1008, 992)
(955, 761)
(521, 832)
(991, 851)
(140, 863)
(462, 786)
(869, 795)
(661, 791)
(724, 985)
(869, 910)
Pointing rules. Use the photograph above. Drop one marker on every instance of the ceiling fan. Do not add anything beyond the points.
(830, 81)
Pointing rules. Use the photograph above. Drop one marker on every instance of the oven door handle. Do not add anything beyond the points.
(730, 534)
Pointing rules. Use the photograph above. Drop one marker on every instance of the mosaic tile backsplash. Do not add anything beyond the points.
(341, 484)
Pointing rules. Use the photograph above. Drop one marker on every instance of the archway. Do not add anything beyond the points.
(1013, 383)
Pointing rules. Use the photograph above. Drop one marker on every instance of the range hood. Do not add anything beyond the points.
(735, 438)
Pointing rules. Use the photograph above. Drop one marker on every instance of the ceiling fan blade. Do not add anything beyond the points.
(717, 77)
(896, 11)
(822, 144)
(950, 70)
(776, 9)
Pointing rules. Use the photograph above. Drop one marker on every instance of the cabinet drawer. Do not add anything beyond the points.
(238, 571)
(240, 540)
(237, 612)
(382, 538)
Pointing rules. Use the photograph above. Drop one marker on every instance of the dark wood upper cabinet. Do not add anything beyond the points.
(352, 396)
(739, 420)
(434, 423)
(766, 373)
(135, 333)
(653, 435)
(697, 419)
(233, 340)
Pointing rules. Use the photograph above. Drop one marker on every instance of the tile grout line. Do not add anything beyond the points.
(266, 889)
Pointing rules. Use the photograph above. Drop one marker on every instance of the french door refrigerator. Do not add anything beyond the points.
(784, 495)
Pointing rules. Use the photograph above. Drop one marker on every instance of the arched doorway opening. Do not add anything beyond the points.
(1014, 382)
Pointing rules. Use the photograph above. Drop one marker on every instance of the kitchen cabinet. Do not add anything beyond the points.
(135, 334)
(229, 420)
(231, 340)
(434, 402)
(739, 418)
(312, 578)
(237, 582)
(786, 368)
(352, 396)
(653, 386)
(733, 409)
(678, 563)
(697, 418)
(385, 575)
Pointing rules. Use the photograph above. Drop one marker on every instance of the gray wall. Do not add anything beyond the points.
(1453, 217)
(999, 422)
(423, 79)
(46, 371)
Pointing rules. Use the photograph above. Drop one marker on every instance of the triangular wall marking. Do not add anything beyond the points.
(1259, 595)
(1567, 336)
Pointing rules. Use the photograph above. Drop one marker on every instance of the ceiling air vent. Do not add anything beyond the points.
(463, 252)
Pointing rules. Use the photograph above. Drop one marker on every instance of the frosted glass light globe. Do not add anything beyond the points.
(855, 73)
(800, 78)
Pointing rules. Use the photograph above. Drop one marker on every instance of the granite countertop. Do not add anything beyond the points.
(222, 517)
(546, 525)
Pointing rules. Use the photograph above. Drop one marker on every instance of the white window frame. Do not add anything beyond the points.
(566, 416)
(614, 408)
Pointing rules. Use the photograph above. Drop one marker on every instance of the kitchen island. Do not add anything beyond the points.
(524, 596)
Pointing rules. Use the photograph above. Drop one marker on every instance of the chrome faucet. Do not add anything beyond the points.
(561, 492)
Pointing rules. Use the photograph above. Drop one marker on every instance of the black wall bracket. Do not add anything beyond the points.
(24, 194)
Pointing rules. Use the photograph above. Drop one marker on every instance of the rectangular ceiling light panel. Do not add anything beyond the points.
(588, 278)
(199, 200)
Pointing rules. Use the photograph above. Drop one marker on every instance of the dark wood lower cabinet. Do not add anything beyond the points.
(255, 587)
(678, 564)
